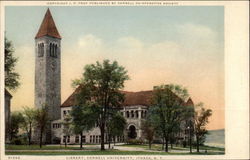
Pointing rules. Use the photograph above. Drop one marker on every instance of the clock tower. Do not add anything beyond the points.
(48, 69)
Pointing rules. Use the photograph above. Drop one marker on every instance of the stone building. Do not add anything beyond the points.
(48, 92)
(134, 109)
(7, 102)
(48, 69)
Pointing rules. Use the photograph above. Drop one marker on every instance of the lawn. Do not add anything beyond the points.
(158, 147)
(37, 147)
(107, 152)
(87, 150)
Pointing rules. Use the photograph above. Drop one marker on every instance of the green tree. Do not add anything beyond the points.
(115, 126)
(16, 121)
(29, 120)
(148, 131)
(42, 120)
(105, 82)
(11, 77)
(84, 113)
(169, 110)
(200, 121)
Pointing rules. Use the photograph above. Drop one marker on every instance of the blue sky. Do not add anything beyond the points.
(157, 45)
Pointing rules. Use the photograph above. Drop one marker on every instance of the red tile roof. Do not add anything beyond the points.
(131, 98)
(48, 27)
(189, 102)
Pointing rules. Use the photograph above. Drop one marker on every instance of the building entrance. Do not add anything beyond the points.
(132, 132)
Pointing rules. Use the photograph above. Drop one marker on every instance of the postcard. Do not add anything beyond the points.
(124, 80)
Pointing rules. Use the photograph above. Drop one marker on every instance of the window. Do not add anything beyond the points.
(77, 139)
(93, 139)
(84, 139)
(64, 139)
(127, 114)
(132, 114)
(90, 139)
(40, 49)
(50, 49)
(136, 114)
(55, 54)
(96, 139)
(68, 140)
(64, 112)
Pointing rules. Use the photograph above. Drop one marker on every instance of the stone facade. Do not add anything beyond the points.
(48, 75)
(48, 70)
(133, 115)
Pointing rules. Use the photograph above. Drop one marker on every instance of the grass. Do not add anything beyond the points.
(70, 150)
(158, 147)
(107, 152)
(37, 147)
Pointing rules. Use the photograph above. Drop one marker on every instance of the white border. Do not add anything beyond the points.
(236, 75)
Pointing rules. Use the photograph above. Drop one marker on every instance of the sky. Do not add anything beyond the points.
(157, 45)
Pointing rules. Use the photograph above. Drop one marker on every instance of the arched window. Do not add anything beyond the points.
(50, 49)
(42, 49)
(55, 51)
(136, 114)
(127, 114)
(142, 114)
(132, 114)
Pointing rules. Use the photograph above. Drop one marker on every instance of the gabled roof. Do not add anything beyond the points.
(48, 27)
(131, 98)
(189, 102)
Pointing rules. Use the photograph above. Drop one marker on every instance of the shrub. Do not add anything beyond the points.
(16, 141)
(134, 141)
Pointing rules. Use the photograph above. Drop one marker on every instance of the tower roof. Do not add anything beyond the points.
(190, 102)
(48, 27)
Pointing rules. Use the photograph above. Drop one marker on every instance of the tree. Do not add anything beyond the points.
(16, 120)
(168, 109)
(42, 119)
(11, 77)
(148, 131)
(29, 120)
(84, 113)
(115, 126)
(66, 127)
(105, 82)
(200, 121)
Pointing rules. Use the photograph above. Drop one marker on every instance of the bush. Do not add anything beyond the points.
(16, 141)
(134, 141)
(56, 140)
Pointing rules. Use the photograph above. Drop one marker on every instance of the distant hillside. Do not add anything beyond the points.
(216, 138)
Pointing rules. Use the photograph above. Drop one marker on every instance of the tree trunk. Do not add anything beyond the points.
(41, 138)
(163, 143)
(102, 128)
(109, 136)
(197, 143)
(150, 143)
(81, 141)
(114, 140)
(30, 132)
(166, 144)
(65, 144)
